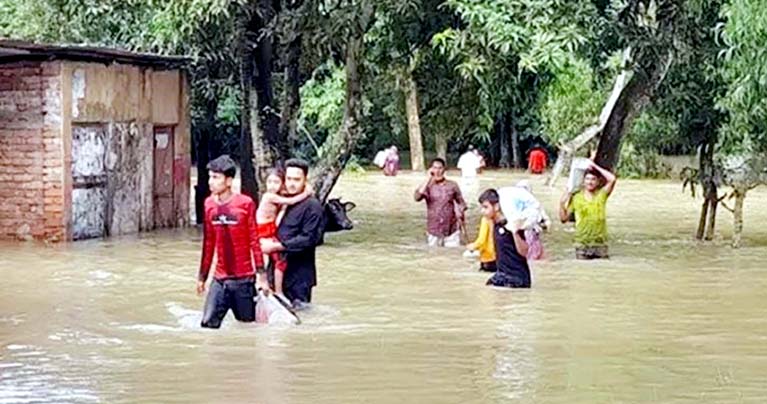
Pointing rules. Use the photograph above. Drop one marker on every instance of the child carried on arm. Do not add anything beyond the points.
(268, 216)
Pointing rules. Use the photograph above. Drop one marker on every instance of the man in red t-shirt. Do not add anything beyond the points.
(537, 160)
(229, 232)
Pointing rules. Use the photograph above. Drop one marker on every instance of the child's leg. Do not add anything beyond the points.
(279, 270)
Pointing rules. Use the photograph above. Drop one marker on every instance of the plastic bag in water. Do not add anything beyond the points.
(270, 309)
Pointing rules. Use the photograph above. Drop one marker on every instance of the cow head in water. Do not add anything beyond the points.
(336, 218)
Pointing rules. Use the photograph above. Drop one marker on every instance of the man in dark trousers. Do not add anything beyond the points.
(229, 232)
(510, 245)
(299, 233)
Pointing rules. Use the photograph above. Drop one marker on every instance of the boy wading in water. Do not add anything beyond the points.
(268, 216)
(229, 232)
(589, 206)
(510, 245)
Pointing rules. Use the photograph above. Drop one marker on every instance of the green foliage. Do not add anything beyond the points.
(636, 163)
(571, 102)
(322, 99)
(745, 72)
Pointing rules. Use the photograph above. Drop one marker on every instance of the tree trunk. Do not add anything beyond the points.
(291, 104)
(632, 99)
(340, 145)
(707, 222)
(713, 204)
(440, 144)
(248, 126)
(740, 196)
(516, 158)
(567, 151)
(702, 220)
(505, 143)
(204, 133)
(413, 122)
(262, 118)
(291, 99)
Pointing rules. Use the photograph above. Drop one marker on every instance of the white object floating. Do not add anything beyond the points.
(271, 310)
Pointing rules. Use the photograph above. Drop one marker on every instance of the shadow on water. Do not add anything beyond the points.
(667, 319)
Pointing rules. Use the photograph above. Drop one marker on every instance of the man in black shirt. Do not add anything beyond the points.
(300, 232)
(510, 245)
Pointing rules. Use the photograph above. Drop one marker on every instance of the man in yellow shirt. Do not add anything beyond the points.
(484, 245)
(589, 206)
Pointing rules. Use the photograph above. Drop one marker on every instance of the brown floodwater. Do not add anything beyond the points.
(666, 320)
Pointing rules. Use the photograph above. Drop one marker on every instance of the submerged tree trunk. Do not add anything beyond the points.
(413, 121)
(440, 144)
(632, 99)
(737, 233)
(340, 145)
(707, 222)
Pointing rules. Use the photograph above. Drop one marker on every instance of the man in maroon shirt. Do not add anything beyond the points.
(229, 231)
(444, 207)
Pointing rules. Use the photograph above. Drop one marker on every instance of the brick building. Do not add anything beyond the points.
(93, 142)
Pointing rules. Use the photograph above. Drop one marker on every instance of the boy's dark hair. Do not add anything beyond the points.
(438, 160)
(594, 172)
(489, 195)
(223, 164)
(298, 163)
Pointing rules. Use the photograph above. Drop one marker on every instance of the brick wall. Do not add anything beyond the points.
(31, 191)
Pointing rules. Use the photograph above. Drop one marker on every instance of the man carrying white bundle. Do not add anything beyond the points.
(523, 211)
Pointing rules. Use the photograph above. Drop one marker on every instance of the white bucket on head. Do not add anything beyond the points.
(578, 170)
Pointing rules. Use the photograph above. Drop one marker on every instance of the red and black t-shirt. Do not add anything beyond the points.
(230, 231)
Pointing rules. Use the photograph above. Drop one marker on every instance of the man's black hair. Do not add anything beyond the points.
(438, 160)
(298, 163)
(223, 164)
(489, 195)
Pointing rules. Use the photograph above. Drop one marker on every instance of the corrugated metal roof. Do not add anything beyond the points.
(13, 51)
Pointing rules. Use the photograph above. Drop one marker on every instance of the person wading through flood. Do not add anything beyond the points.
(444, 207)
(510, 245)
(230, 232)
(589, 206)
(269, 214)
(298, 235)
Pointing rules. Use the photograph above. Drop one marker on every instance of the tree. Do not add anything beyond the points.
(508, 48)
(743, 138)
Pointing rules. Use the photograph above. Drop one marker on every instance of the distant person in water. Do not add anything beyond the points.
(298, 235)
(589, 204)
(269, 214)
(391, 162)
(510, 245)
(230, 232)
(445, 207)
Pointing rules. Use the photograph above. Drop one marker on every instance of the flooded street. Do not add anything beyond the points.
(666, 320)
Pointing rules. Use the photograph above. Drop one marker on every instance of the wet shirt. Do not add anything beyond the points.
(300, 231)
(230, 232)
(485, 242)
(512, 266)
(443, 199)
(590, 218)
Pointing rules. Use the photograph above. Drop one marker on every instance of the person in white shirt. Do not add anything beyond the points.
(469, 164)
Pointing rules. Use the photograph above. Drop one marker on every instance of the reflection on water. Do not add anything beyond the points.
(666, 320)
